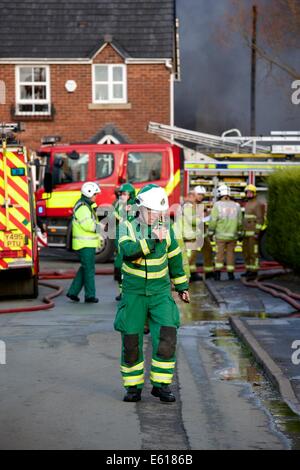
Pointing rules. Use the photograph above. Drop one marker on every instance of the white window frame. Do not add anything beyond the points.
(20, 101)
(110, 83)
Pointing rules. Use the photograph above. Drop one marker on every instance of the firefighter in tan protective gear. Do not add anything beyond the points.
(252, 224)
(226, 225)
(196, 235)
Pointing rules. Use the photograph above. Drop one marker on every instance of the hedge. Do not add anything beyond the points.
(283, 234)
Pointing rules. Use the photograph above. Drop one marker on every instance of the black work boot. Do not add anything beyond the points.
(163, 393)
(246, 274)
(195, 277)
(74, 298)
(252, 276)
(133, 395)
(217, 275)
(119, 297)
(209, 275)
(91, 300)
(231, 277)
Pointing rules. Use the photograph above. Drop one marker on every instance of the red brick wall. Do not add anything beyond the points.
(148, 93)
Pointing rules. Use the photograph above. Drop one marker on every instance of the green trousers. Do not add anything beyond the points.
(85, 276)
(164, 320)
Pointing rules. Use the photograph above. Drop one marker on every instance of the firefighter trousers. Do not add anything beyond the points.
(85, 276)
(250, 253)
(164, 320)
(225, 248)
(207, 253)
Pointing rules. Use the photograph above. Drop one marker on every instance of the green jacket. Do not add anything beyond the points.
(226, 221)
(149, 264)
(85, 225)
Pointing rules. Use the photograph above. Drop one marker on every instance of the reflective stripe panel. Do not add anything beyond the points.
(86, 238)
(219, 265)
(157, 262)
(145, 247)
(179, 280)
(131, 381)
(163, 365)
(174, 253)
(250, 216)
(168, 239)
(125, 239)
(230, 268)
(150, 262)
(161, 378)
(158, 275)
(135, 272)
(249, 234)
(258, 226)
(128, 370)
(208, 269)
(131, 231)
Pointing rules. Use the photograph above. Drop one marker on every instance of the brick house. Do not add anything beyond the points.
(87, 70)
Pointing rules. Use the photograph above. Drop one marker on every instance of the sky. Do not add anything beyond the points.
(214, 92)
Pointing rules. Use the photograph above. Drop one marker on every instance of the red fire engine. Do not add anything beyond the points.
(68, 166)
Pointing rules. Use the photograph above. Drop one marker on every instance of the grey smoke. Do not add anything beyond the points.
(214, 92)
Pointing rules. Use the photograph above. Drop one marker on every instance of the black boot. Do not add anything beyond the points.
(231, 277)
(133, 395)
(163, 393)
(92, 300)
(209, 275)
(246, 274)
(74, 298)
(217, 275)
(119, 297)
(251, 276)
(195, 277)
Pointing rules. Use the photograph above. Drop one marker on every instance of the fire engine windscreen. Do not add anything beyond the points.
(144, 166)
(69, 170)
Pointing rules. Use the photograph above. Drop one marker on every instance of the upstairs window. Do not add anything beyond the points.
(33, 90)
(109, 84)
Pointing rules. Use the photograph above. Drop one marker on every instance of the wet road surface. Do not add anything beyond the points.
(61, 386)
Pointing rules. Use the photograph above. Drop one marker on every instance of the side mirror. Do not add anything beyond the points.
(48, 183)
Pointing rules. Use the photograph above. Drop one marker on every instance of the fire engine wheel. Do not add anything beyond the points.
(18, 284)
(28, 288)
(106, 251)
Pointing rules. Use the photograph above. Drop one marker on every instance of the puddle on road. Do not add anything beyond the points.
(243, 369)
(240, 364)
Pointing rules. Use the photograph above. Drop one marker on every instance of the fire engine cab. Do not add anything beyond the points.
(67, 167)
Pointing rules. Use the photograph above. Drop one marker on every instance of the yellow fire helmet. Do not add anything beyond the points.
(251, 188)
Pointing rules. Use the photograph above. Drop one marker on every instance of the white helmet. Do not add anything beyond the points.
(89, 189)
(200, 190)
(224, 190)
(153, 197)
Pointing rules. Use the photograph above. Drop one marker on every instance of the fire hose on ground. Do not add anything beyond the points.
(48, 299)
(273, 289)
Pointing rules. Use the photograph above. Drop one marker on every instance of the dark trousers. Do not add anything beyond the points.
(85, 276)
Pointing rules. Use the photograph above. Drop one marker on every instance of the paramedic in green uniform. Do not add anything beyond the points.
(124, 203)
(151, 260)
(85, 239)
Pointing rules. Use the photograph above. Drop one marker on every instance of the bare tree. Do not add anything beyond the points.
(278, 35)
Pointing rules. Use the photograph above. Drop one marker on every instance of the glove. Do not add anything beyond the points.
(98, 229)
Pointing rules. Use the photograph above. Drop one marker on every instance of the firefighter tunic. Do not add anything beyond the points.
(252, 225)
(148, 265)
